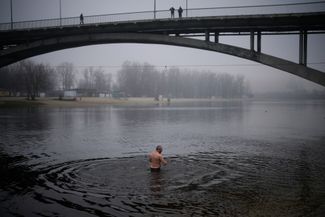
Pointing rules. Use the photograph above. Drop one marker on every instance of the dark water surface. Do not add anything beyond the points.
(225, 159)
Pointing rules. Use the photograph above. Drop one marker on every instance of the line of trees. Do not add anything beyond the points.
(27, 77)
(30, 79)
(137, 80)
(133, 79)
(95, 79)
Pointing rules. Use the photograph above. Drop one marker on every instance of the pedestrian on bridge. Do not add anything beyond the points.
(81, 19)
(172, 12)
(180, 11)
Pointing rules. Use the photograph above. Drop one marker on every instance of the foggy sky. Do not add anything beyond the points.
(263, 78)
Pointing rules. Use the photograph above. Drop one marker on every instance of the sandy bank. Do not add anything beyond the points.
(91, 101)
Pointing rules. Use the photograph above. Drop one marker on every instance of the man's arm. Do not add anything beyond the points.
(150, 158)
(162, 160)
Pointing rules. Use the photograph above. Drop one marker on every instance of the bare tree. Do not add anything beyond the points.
(129, 79)
(95, 79)
(102, 81)
(173, 79)
(66, 75)
(36, 77)
(88, 80)
(11, 80)
(239, 86)
(139, 79)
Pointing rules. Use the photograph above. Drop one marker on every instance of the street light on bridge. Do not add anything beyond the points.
(11, 20)
(154, 9)
(60, 13)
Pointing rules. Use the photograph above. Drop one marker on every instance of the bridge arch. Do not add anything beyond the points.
(27, 50)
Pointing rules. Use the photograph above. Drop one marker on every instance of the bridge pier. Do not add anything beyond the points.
(259, 42)
(207, 35)
(216, 37)
(252, 40)
(303, 48)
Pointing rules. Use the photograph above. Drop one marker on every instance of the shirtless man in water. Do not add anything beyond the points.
(156, 159)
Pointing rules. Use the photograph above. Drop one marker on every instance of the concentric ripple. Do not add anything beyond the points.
(126, 186)
(202, 184)
(98, 177)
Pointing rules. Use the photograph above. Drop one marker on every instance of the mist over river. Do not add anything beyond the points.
(225, 158)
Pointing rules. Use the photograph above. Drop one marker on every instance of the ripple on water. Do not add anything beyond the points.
(126, 185)
(200, 184)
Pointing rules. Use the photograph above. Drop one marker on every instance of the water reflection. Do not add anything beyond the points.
(216, 183)
(156, 183)
(226, 159)
(15, 176)
(192, 112)
(304, 172)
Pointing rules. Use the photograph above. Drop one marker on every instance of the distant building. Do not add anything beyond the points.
(70, 93)
(4, 92)
(104, 95)
(82, 92)
(74, 94)
(118, 94)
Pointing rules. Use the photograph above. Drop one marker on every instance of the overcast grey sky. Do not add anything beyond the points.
(262, 78)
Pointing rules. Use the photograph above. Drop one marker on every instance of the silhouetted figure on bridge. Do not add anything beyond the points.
(180, 11)
(172, 12)
(81, 19)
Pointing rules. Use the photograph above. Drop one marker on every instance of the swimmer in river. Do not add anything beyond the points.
(156, 159)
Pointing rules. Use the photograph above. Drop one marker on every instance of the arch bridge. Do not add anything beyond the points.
(22, 40)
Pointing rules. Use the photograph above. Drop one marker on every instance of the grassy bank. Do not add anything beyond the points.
(17, 103)
(12, 102)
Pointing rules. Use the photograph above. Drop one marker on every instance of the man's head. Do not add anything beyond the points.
(159, 148)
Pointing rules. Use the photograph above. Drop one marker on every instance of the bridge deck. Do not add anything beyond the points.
(220, 24)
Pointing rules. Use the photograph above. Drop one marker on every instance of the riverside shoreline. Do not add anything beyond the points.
(94, 101)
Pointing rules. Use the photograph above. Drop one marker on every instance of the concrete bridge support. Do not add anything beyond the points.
(207, 35)
(216, 37)
(252, 40)
(259, 42)
(303, 48)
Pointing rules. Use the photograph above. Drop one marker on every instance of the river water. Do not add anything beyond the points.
(233, 158)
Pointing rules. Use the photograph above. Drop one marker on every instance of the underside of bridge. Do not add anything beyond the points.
(27, 50)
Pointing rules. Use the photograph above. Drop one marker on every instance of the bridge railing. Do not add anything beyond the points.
(165, 14)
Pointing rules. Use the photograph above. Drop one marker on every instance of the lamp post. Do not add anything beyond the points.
(60, 14)
(11, 20)
(186, 8)
(154, 9)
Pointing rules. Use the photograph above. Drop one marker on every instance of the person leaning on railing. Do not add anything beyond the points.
(172, 12)
(81, 18)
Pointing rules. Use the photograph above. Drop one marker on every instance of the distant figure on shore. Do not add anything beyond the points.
(81, 19)
(180, 11)
(172, 12)
(156, 159)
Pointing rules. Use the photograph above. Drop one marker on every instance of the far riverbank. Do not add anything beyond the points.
(6, 102)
